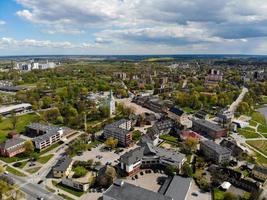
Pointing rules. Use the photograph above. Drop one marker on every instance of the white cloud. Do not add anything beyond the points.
(2, 22)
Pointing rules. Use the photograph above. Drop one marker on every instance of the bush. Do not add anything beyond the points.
(79, 172)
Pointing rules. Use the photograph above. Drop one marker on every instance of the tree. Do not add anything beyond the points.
(47, 101)
(106, 176)
(111, 142)
(14, 120)
(170, 170)
(2, 169)
(79, 171)
(29, 147)
(190, 145)
(230, 196)
(187, 170)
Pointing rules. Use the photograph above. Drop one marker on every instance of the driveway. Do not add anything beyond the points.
(201, 196)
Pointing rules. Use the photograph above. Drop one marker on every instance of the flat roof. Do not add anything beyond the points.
(216, 147)
(9, 108)
(208, 124)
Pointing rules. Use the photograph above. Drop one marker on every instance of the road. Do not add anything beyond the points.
(235, 104)
(33, 191)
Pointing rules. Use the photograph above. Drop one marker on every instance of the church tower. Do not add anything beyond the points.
(112, 107)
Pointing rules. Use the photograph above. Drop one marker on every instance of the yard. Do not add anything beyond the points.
(168, 138)
(23, 120)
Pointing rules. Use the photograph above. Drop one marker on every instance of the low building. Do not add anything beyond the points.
(119, 130)
(208, 128)
(120, 75)
(202, 115)
(81, 184)
(176, 187)
(179, 116)
(12, 147)
(237, 151)
(215, 152)
(63, 167)
(44, 135)
(149, 155)
(17, 109)
(121, 190)
(260, 173)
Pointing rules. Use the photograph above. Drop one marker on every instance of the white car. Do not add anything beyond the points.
(6, 172)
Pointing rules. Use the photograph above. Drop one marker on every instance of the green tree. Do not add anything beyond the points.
(187, 170)
(111, 142)
(29, 147)
(79, 171)
(14, 120)
(170, 170)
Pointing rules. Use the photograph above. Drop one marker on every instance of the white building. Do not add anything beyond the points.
(112, 107)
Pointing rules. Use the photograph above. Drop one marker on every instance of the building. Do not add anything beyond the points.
(44, 135)
(214, 77)
(32, 65)
(237, 151)
(184, 134)
(179, 116)
(17, 109)
(176, 187)
(81, 184)
(208, 128)
(149, 155)
(63, 167)
(119, 130)
(120, 75)
(202, 115)
(112, 106)
(260, 173)
(131, 161)
(215, 152)
(121, 190)
(12, 147)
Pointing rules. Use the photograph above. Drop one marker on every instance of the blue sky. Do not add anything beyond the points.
(133, 27)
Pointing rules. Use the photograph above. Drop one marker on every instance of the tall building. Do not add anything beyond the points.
(112, 107)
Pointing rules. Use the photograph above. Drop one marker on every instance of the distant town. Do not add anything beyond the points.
(156, 128)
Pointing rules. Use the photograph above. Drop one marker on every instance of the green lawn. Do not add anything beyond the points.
(14, 171)
(67, 189)
(218, 194)
(23, 120)
(264, 99)
(262, 128)
(33, 170)
(248, 134)
(252, 123)
(168, 137)
(45, 159)
(53, 146)
(260, 145)
(22, 164)
(14, 159)
(258, 117)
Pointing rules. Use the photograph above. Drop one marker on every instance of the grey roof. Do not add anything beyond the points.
(177, 111)
(177, 188)
(168, 155)
(164, 125)
(208, 124)
(262, 170)
(114, 127)
(217, 148)
(10, 143)
(44, 127)
(124, 191)
(132, 156)
(62, 164)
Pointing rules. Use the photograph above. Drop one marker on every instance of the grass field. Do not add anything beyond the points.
(248, 134)
(14, 171)
(14, 159)
(23, 120)
(68, 189)
(45, 159)
(168, 138)
(262, 128)
(258, 117)
(33, 170)
(252, 123)
(218, 194)
(260, 145)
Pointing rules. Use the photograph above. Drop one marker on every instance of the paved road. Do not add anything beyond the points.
(235, 104)
(33, 191)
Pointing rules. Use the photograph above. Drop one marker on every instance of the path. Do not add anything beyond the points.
(235, 104)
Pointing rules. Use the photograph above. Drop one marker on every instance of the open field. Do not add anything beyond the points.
(260, 145)
(248, 134)
(23, 120)
(258, 117)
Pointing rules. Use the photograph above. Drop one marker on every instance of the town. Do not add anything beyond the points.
(155, 128)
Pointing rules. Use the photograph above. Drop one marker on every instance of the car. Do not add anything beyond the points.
(40, 182)
(40, 198)
(6, 172)
(194, 194)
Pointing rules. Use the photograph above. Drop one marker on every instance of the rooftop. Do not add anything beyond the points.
(11, 143)
(177, 111)
(217, 148)
(121, 191)
(132, 156)
(208, 124)
(115, 127)
(63, 164)
(5, 109)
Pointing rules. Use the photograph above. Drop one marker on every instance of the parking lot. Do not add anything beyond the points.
(99, 154)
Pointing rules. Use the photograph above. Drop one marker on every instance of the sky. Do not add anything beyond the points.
(104, 27)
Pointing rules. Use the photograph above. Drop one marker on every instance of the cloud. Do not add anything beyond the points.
(2, 22)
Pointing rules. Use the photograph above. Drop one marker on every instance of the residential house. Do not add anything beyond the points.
(215, 152)
(119, 130)
(12, 147)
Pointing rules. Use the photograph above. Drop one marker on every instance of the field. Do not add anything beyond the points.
(248, 134)
(14, 171)
(45, 159)
(258, 117)
(23, 120)
(260, 145)
(168, 138)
